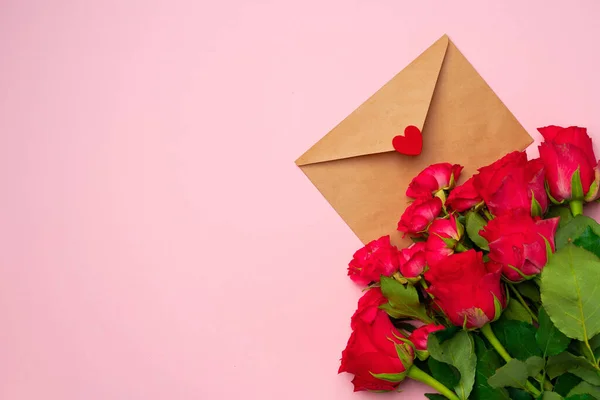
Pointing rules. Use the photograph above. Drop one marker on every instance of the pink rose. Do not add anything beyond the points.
(419, 215)
(433, 179)
(377, 258)
(564, 151)
(412, 260)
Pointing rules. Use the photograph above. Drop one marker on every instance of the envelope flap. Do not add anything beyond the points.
(403, 101)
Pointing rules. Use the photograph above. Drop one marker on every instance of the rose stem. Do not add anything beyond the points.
(491, 337)
(522, 301)
(419, 375)
(576, 207)
(460, 248)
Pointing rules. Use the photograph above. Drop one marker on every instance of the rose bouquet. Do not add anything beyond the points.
(499, 295)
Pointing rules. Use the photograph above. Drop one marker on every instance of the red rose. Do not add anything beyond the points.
(368, 305)
(509, 184)
(412, 260)
(464, 197)
(464, 288)
(420, 335)
(444, 234)
(419, 215)
(372, 349)
(517, 244)
(433, 179)
(377, 258)
(564, 151)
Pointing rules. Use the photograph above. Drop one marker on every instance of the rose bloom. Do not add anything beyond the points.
(464, 289)
(464, 197)
(564, 151)
(443, 237)
(419, 215)
(433, 179)
(517, 244)
(412, 260)
(371, 348)
(420, 335)
(509, 184)
(377, 258)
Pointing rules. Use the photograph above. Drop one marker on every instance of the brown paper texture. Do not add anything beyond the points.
(462, 120)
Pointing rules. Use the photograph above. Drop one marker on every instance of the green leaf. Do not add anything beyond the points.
(565, 383)
(576, 186)
(460, 353)
(517, 337)
(399, 377)
(530, 290)
(403, 301)
(560, 211)
(574, 229)
(589, 241)
(569, 292)
(447, 333)
(448, 375)
(519, 394)
(584, 388)
(534, 365)
(549, 339)
(536, 208)
(551, 396)
(515, 311)
(578, 366)
(435, 396)
(474, 224)
(512, 374)
(583, 396)
(488, 362)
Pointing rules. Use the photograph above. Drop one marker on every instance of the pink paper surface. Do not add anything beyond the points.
(158, 241)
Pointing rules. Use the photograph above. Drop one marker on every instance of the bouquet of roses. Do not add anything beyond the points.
(499, 295)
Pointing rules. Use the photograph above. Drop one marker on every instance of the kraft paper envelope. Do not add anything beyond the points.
(462, 121)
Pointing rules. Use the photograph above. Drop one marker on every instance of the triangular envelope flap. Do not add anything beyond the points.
(403, 101)
(467, 124)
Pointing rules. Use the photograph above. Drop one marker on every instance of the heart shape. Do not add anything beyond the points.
(411, 143)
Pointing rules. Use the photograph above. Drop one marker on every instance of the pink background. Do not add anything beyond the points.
(157, 240)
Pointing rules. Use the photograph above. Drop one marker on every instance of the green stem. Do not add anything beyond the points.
(491, 337)
(460, 248)
(419, 375)
(576, 207)
(488, 215)
(486, 330)
(522, 301)
(532, 389)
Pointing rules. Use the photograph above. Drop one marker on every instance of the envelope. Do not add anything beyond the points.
(462, 122)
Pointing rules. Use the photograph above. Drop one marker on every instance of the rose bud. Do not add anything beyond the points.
(513, 183)
(572, 170)
(419, 215)
(468, 291)
(419, 336)
(377, 258)
(444, 235)
(375, 348)
(432, 179)
(464, 197)
(517, 244)
(412, 260)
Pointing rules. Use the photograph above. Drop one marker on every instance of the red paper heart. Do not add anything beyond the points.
(411, 143)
